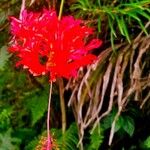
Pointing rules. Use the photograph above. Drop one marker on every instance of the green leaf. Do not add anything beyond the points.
(108, 11)
(5, 118)
(133, 15)
(107, 121)
(119, 123)
(32, 144)
(99, 3)
(124, 122)
(112, 40)
(3, 17)
(87, 4)
(129, 125)
(143, 28)
(142, 13)
(146, 143)
(96, 138)
(37, 104)
(4, 57)
(119, 25)
(112, 32)
(82, 3)
(24, 133)
(99, 24)
(124, 28)
(7, 142)
(148, 10)
(110, 22)
(69, 140)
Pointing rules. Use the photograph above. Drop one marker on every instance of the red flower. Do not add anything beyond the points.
(45, 44)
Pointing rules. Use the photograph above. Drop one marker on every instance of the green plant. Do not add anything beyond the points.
(118, 17)
(124, 122)
(36, 102)
(96, 138)
(68, 140)
(7, 142)
(4, 57)
(146, 143)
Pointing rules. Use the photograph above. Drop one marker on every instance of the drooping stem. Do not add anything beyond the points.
(48, 118)
(62, 103)
(61, 9)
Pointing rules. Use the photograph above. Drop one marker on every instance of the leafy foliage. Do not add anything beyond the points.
(5, 118)
(68, 140)
(36, 102)
(4, 57)
(7, 142)
(146, 143)
(96, 138)
(32, 144)
(125, 123)
(128, 125)
(118, 15)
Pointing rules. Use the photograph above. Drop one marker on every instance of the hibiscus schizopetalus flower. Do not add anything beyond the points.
(45, 44)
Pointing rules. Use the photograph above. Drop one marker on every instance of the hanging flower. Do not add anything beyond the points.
(45, 44)
(42, 144)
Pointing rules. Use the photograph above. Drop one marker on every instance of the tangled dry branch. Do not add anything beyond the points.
(112, 80)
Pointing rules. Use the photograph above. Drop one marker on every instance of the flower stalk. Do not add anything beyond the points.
(61, 85)
(62, 104)
(61, 9)
(48, 118)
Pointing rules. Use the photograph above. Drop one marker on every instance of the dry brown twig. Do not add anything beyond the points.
(89, 95)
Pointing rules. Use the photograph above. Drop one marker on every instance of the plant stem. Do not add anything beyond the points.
(61, 84)
(61, 9)
(62, 104)
(48, 118)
